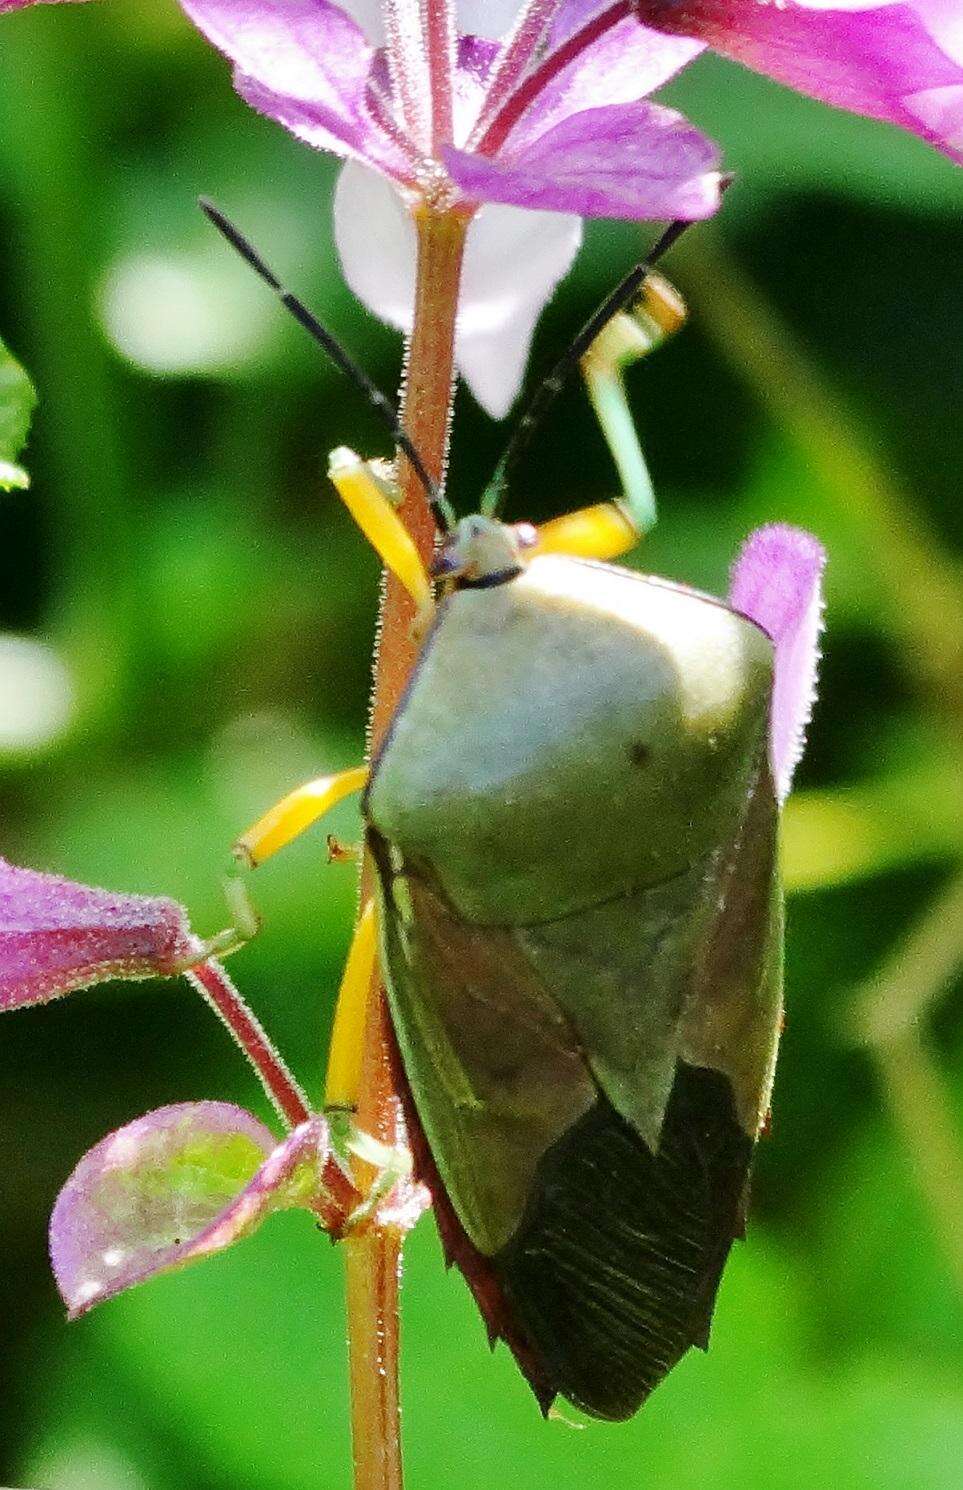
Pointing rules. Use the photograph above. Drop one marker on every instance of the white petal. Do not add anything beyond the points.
(375, 238)
(513, 261)
(490, 18)
(369, 15)
(944, 22)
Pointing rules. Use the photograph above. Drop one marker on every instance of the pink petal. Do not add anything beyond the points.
(364, 141)
(777, 582)
(631, 160)
(169, 1188)
(882, 62)
(303, 63)
(56, 936)
(473, 65)
(629, 61)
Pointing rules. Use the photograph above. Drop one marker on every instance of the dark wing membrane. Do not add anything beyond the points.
(595, 1258)
(612, 1275)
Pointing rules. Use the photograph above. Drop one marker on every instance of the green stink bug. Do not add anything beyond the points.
(574, 819)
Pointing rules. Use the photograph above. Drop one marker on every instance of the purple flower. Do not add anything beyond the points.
(475, 125)
(554, 116)
(495, 107)
(900, 62)
(777, 582)
(56, 936)
(467, 121)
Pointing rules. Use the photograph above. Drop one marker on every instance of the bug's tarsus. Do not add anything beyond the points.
(338, 354)
(548, 389)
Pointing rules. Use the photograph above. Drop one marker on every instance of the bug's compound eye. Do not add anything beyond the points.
(481, 551)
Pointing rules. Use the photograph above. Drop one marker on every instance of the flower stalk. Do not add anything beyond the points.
(283, 1091)
(373, 1258)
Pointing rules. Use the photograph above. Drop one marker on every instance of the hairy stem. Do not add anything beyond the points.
(214, 985)
(519, 47)
(373, 1259)
(407, 65)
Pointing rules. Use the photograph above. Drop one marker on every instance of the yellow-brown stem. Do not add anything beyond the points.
(373, 1259)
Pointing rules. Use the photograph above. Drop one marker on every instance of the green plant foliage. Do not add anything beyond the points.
(18, 399)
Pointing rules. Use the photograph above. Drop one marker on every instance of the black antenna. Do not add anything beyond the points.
(545, 392)
(341, 358)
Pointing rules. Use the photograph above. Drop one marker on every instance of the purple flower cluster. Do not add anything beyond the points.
(498, 107)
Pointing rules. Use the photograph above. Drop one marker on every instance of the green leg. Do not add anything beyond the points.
(630, 335)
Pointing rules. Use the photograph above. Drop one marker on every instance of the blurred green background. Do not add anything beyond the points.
(201, 615)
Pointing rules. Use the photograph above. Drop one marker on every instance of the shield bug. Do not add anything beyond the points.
(573, 819)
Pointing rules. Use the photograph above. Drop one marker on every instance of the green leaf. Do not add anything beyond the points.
(17, 400)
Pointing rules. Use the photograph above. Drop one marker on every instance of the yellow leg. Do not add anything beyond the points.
(344, 1073)
(604, 531)
(364, 497)
(347, 1037)
(282, 822)
(297, 811)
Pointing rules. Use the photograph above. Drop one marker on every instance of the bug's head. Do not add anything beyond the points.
(482, 551)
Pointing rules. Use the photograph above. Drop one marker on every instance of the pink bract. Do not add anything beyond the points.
(170, 1188)
(777, 582)
(56, 936)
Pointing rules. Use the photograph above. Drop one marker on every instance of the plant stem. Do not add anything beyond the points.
(214, 985)
(337, 1197)
(373, 1259)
